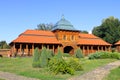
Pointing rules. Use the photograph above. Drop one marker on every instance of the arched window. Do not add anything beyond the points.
(64, 37)
(72, 37)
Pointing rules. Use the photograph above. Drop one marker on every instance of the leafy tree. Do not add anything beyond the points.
(4, 45)
(84, 31)
(109, 30)
(44, 26)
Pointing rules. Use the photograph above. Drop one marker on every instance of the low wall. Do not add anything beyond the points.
(4, 52)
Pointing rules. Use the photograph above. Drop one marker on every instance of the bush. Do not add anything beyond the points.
(66, 55)
(104, 55)
(36, 58)
(49, 54)
(43, 58)
(57, 65)
(75, 64)
(78, 53)
(59, 54)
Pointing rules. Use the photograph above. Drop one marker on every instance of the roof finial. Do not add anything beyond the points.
(63, 16)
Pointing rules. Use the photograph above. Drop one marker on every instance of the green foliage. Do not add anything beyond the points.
(74, 63)
(113, 75)
(109, 30)
(59, 65)
(49, 54)
(44, 26)
(59, 54)
(66, 55)
(104, 55)
(4, 45)
(84, 31)
(43, 58)
(22, 66)
(36, 58)
(78, 53)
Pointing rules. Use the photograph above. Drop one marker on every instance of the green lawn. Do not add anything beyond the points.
(2, 79)
(114, 75)
(23, 66)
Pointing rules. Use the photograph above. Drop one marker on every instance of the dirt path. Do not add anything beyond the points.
(11, 76)
(99, 73)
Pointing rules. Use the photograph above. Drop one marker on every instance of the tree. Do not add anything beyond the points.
(78, 53)
(44, 26)
(84, 31)
(4, 45)
(36, 58)
(109, 30)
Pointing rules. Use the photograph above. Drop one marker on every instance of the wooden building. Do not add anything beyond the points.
(117, 46)
(63, 35)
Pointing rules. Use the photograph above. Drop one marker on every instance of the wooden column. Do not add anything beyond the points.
(102, 48)
(20, 48)
(91, 49)
(88, 50)
(83, 49)
(53, 49)
(27, 49)
(106, 48)
(109, 48)
(47, 46)
(42, 46)
(98, 48)
(32, 48)
(14, 50)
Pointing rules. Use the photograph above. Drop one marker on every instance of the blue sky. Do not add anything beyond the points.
(16, 16)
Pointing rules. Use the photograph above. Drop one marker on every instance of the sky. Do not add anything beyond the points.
(16, 16)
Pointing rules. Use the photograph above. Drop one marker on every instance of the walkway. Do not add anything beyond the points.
(99, 73)
(11, 76)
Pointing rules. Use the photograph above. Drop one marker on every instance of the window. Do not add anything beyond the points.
(64, 37)
(72, 37)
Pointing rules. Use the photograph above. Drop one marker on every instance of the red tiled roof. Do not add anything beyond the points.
(117, 43)
(83, 35)
(90, 39)
(37, 36)
(39, 32)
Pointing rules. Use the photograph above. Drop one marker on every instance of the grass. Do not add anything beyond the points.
(113, 75)
(23, 66)
(2, 79)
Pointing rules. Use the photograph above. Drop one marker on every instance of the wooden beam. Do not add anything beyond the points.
(53, 49)
(32, 48)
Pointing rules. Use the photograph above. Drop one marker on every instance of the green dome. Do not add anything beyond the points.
(63, 24)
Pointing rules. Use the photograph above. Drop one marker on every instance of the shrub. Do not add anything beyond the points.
(78, 53)
(104, 55)
(59, 54)
(36, 58)
(75, 64)
(66, 55)
(49, 54)
(57, 65)
(43, 58)
(115, 55)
